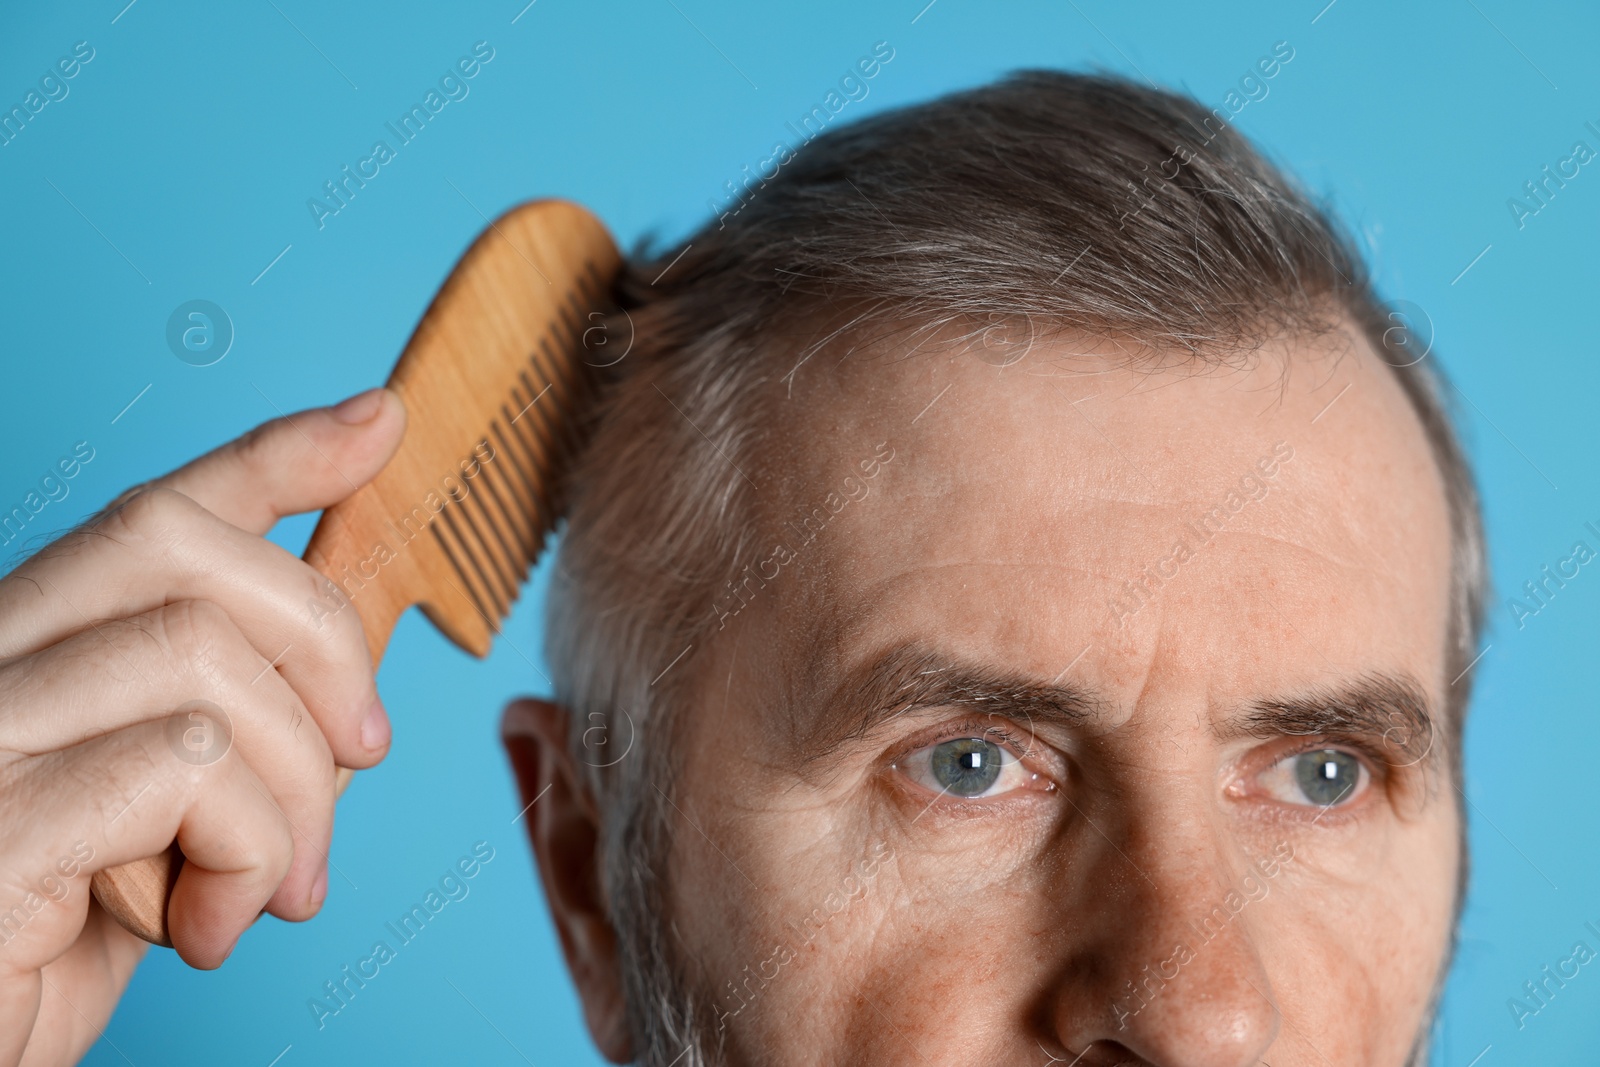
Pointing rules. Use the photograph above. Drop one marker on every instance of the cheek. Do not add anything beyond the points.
(879, 981)
(1361, 934)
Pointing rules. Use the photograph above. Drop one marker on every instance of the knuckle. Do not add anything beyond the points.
(263, 848)
(331, 611)
(126, 495)
(149, 513)
(262, 843)
(320, 774)
(126, 769)
(332, 632)
(196, 633)
(310, 769)
(198, 777)
(277, 850)
(259, 449)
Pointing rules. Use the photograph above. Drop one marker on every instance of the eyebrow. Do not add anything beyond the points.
(1377, 707)
(911, 676)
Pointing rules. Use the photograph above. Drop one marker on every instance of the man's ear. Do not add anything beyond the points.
(564, 827)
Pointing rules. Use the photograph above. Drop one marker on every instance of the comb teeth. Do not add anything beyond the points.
(493, 534)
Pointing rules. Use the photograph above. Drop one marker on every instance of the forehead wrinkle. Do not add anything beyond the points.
(909, 676)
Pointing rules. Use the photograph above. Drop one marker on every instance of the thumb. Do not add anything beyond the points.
(296, 463)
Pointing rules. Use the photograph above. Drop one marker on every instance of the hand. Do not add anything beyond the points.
(168, 597)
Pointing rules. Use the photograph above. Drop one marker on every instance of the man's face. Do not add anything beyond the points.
(1143, 774)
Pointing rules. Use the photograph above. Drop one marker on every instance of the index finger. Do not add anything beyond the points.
(295, 463)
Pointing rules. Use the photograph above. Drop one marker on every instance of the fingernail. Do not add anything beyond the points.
(359, 408)
(375, 727)
(319, 891)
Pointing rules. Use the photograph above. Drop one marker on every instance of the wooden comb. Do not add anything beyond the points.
(497, 381)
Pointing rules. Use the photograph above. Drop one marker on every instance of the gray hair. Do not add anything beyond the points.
(1074, 202)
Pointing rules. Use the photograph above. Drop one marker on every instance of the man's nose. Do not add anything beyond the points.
(1171, 974)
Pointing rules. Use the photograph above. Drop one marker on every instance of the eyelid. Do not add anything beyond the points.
(1372, 767)
(1025, 746)
(1368, 751)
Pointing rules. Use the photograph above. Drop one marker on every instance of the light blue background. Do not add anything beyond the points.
(194, 138)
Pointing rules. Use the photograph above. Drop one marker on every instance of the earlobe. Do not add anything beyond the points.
(564, 829)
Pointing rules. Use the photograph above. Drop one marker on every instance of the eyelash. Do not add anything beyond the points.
(1372, 761)
(996, 729)
(1369, 754)
(990, 728)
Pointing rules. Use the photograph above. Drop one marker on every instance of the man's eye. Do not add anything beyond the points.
(968, 767)
(1323, 778)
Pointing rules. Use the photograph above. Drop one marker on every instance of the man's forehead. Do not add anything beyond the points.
(1023, 499)
(1062, 430)
(964, 403)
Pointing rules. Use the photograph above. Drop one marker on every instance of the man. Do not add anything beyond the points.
(1016, 607)
(1040, 617)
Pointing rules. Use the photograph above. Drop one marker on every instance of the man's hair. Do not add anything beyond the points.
(1057, 201)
